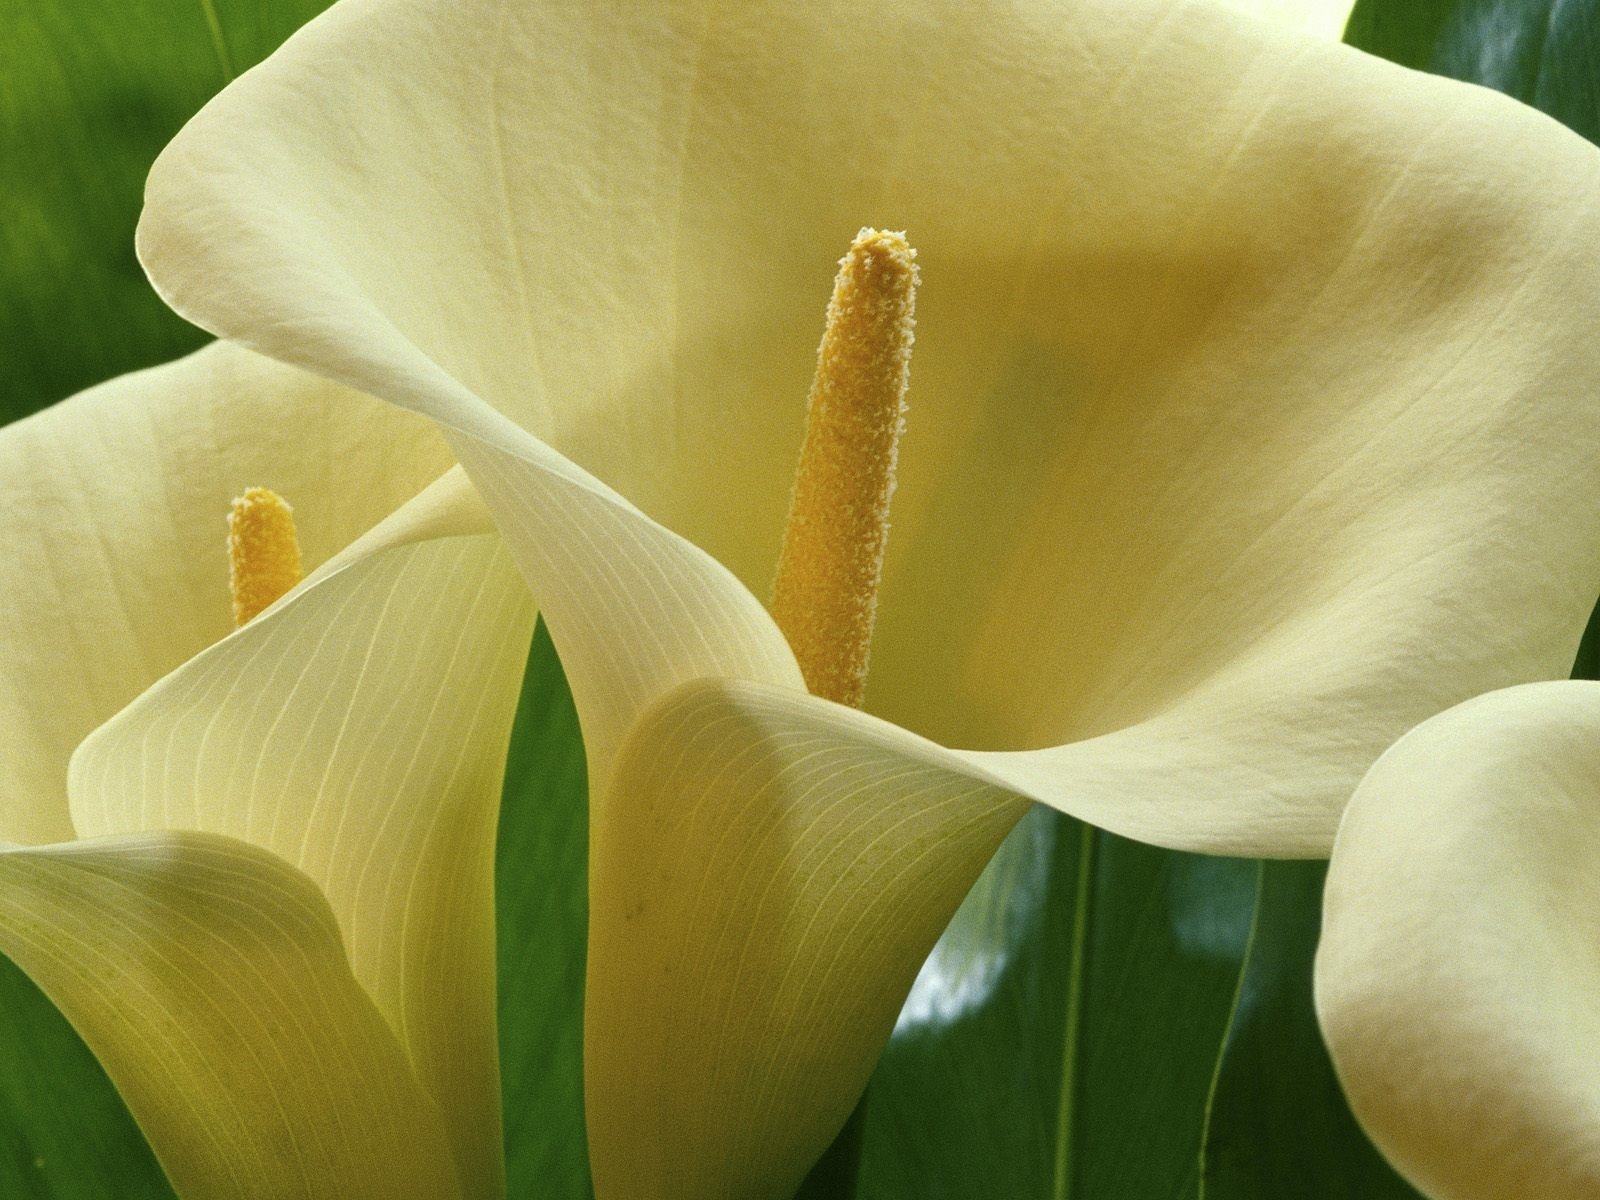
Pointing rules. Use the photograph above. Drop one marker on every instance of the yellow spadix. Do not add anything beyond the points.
(826, 596)
(263, 552)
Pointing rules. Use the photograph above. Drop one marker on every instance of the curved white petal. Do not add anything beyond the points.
(1252, 414)
(358, 730)
(634, 609)
(767, 874)
(113, 543)
(1458, 976)
(210, 980)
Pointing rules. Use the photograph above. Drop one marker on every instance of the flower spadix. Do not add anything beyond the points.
(826, 596)
(242, 861)
(1227, 471)
(263, 552)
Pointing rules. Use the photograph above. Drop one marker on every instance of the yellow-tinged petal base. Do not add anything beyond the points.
(766, 878)
(210, 980)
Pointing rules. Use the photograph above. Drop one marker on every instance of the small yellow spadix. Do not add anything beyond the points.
(825, 598)
(263, 552)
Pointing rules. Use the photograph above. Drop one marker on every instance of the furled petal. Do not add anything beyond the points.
(210, 980)
(1458, 977)
(1252, 414)
(633, 608)
(113, 557)
(767, 878)
(358, 730)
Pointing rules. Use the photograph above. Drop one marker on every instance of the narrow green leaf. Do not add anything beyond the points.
(1279, 1126)
(1405, 33)
(999, 1084)
(541, 876)
(64, 1132)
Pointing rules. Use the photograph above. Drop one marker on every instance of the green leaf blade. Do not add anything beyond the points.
(1279, 1127)
(978, 1095)
(541, 885)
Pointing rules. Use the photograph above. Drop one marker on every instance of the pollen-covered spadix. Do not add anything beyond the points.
(830, 565)
(263, 551)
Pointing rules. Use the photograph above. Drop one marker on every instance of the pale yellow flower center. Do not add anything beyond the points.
(825, 598)
(263, 552)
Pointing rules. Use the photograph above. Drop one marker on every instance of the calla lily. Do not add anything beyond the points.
(1455, 978)
(262, 892)
(1252, 424)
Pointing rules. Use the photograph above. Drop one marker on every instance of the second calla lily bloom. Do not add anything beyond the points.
(1252, 422)
(263, 891)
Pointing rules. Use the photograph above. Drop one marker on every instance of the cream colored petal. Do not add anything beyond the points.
(358, 730)
(113, 556)
(1458, 976)
(1252, 415)
(633, 608)
(1325, 18)
(209, 979)
(766, 877)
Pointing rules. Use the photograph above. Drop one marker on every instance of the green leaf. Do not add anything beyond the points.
(90, 92)
(541, 874)
(1062, 1039)
(1544, 52)
(64, 1132)
(1279, 1126)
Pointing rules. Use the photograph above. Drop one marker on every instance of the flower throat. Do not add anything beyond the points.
(825, 598)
